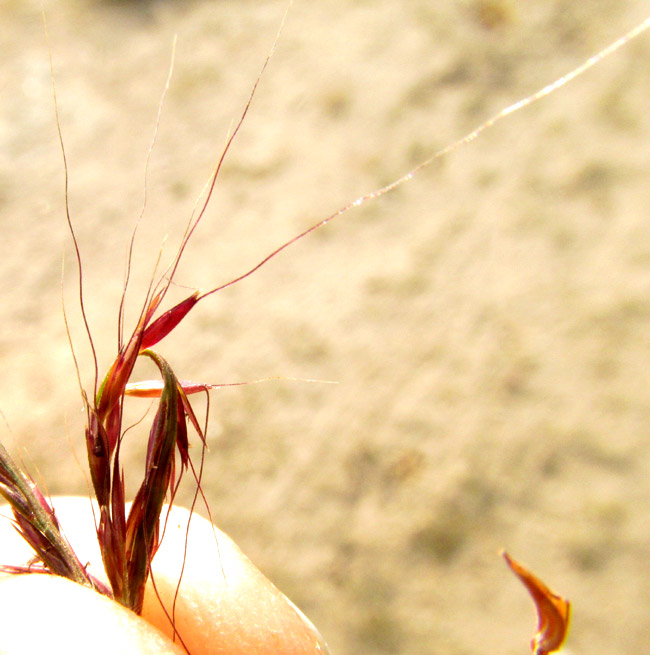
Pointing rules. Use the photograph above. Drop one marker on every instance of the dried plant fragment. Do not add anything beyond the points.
(552, 610)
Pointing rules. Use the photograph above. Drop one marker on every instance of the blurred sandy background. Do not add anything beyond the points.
(488, 323)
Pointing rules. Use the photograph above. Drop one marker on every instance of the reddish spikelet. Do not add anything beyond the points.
(35, 537)
(111, 547)
(112, 388)
(164, 324)
(168, 432)
(98, 458)
(36, 522)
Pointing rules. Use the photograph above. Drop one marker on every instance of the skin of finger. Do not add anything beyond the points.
(224, 605)
(224, 602)
(44, 613)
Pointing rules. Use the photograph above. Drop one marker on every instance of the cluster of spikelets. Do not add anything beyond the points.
(127, 543)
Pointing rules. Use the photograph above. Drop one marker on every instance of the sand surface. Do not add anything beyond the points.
(488, 323)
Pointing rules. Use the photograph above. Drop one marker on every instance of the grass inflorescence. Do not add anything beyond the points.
(129, 540)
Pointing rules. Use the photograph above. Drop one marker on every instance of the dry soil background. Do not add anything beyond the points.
(488, 323)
